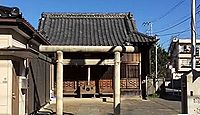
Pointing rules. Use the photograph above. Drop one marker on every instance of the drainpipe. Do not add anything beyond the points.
(27, 77)
(59, 98)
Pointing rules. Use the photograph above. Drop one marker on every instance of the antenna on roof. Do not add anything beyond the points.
(149, 30)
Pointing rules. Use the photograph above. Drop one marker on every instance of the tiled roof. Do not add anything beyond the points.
(91, 29)
(11, 16)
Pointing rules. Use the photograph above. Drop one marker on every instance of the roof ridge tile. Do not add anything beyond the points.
(83, 15)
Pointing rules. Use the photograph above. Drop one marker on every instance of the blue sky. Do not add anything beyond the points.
(160, 12)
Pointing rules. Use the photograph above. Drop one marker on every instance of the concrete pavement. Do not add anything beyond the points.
(129, 106)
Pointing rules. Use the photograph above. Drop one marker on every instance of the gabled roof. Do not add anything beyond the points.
(91, 29)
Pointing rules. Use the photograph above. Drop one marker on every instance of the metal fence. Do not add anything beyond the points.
(38, 84)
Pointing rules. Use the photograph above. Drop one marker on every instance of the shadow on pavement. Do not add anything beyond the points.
(171, 97)
(52, 113)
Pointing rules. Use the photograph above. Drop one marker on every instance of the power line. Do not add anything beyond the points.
(172, 26)
(149, 30)
(166, 42)
(179, 22)
(168, 12)
(179, 32)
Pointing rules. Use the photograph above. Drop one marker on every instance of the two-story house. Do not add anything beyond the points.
(25, 73)
(180, 57)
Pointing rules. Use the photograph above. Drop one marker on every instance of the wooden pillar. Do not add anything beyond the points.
(117, 84)
(59, 91)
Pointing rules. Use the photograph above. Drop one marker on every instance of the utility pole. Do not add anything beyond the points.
(190, 82)
(156, 65)
(193, 35)
(150, 33)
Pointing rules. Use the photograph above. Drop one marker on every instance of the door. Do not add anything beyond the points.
(130, 78)
(15, 93)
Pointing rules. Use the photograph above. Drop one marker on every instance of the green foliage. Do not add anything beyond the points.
(161, 64)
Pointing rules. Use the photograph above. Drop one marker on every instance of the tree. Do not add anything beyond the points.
(161, 64)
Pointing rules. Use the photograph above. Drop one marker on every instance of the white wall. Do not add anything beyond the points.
(6, 87)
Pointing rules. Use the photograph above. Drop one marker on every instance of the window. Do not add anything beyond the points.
(185, 62)
(185, 48)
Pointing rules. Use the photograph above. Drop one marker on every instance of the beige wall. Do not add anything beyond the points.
(5, 41)
(12, 39)
(6, 87)
(8, 41)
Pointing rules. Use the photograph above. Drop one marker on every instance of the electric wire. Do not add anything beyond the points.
(169, 39)
(179, 32)
(168, 12)
(164, 15)
(173, 26)
(177, 24)
(176, 34)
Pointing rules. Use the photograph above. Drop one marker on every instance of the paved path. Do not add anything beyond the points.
(129, 106)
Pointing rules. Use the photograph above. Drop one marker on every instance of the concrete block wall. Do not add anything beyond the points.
(193, 93)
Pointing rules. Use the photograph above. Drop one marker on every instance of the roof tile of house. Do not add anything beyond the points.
(91, 29)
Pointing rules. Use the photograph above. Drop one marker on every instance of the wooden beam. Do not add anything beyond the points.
(88, 61)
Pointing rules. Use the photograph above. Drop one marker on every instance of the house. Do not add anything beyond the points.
(24, 71)
(101, 30)
(180, 58)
